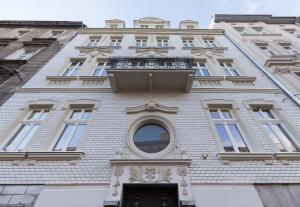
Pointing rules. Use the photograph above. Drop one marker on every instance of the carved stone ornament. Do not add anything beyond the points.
(182, 172)
(150, 174)
(151, 52)
(151, 107)
(282, 70)
(118, 171)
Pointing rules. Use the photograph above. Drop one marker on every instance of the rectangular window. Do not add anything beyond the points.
(115, 42)
(26, 131)
(93, 42)
(73, 69)
(159, 26)
(258, 30)
(228, 130)
(275, 130)
(228, 68)
(240, 30)
(100, 70)
(22, 32)
(188, 43)
(56, 34)
(162, 42)
(145, 26)
(267, 50)
(210, 43)
(141, 42)
(297, 74)
(288, 47)
(72, 133)
(201, 69)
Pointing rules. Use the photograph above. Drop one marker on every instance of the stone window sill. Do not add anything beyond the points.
(61, 78)
(150, 161)
(41, 155)
(92, 78)
(254, 34)
(207, 48)
(210, 78)
(287, 155)
(245, 156)
(240, 78)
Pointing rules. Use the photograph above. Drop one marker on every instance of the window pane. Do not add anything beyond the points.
(35, 115)
(224, 138)
(97, 72)
(238, 138)
(214, 114)
(44, 115)
(28, 137)
(227, 73)
(205, 72)
(76, 138)
(87, 114)
(62, 141)
(279, 130)
(198, 73)
(17, 138)
(226, 114)
(75, 114)
(275, 139)
(267, 114)
(234, 72)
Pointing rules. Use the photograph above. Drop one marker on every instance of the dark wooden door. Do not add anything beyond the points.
(150, 196)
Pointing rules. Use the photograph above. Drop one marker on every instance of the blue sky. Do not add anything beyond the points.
(94, 12)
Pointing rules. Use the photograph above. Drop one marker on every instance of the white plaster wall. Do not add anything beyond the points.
(87, 196)
(223, 196)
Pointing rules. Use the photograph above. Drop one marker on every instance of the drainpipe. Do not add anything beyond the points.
(265, 71)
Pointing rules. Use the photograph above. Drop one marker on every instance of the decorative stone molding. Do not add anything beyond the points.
(41, 155)
(99, 50)
(245, 156)
(287, 156)
(151, 107)
(154, 172)
(92, 80)
(209, 52)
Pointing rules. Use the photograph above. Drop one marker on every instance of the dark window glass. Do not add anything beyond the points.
(224, 138)
(151, 138)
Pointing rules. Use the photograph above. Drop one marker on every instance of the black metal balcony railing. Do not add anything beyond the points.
(151, 63)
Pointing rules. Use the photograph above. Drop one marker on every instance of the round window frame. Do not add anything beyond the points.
(163, 122)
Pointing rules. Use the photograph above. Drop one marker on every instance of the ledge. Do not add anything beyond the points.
(245, 156)
(150, 161)
(41, 155)
(240, 78)
(13, 61)
(7, 39)
(254, 34)
(210, 78)
(61, 78)
(48, 39)
(287, 155)
(217, 49)
(151, 48)
(55, 155)
(92, 78)
(106, 49)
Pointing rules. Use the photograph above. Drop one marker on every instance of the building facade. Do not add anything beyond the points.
(149, 116)
(26, 46)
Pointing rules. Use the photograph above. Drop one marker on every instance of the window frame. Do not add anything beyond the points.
(225, 122)
(162, 42)
(209, 44)
(188, 43)
(141, 42)
(115, 42)
(229, 67)
(76, 122)
(101, 68)
(201, 68)
(93, 42)
(74, 68)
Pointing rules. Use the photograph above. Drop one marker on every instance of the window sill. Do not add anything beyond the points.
(13, 61)
(107, 49)
(245, 156)
(287, 155)
(61, 78)
(254, 34)
(7, 39)
(151, 48)
(221, 49)
(41, 155)
(209, 78)
(92, 78)
(240, 78)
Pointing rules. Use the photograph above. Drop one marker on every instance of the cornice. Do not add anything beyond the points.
(151, 31)
(109, 90)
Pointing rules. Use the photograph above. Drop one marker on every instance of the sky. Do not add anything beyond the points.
(94, 12)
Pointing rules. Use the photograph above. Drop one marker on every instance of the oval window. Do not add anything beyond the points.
(151, 138)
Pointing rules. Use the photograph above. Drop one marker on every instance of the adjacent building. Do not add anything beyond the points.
(26, 46)
(150, 116)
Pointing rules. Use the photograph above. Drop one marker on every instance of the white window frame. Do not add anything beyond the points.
(102, 69)
(73, 68)
(93, 42)
(225, 122)
(201, 66)
(266, 49)
(188, 42)
(162, 42)
(276, 121)
(22, 31)
(115, 42)
(26, 136)
(60, 32)
(289, 48)
(210, 43)
(28, 55)
(141, 42)
(228, 66)
(76, 123)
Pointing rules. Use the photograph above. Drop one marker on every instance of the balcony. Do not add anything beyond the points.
(151, 74)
